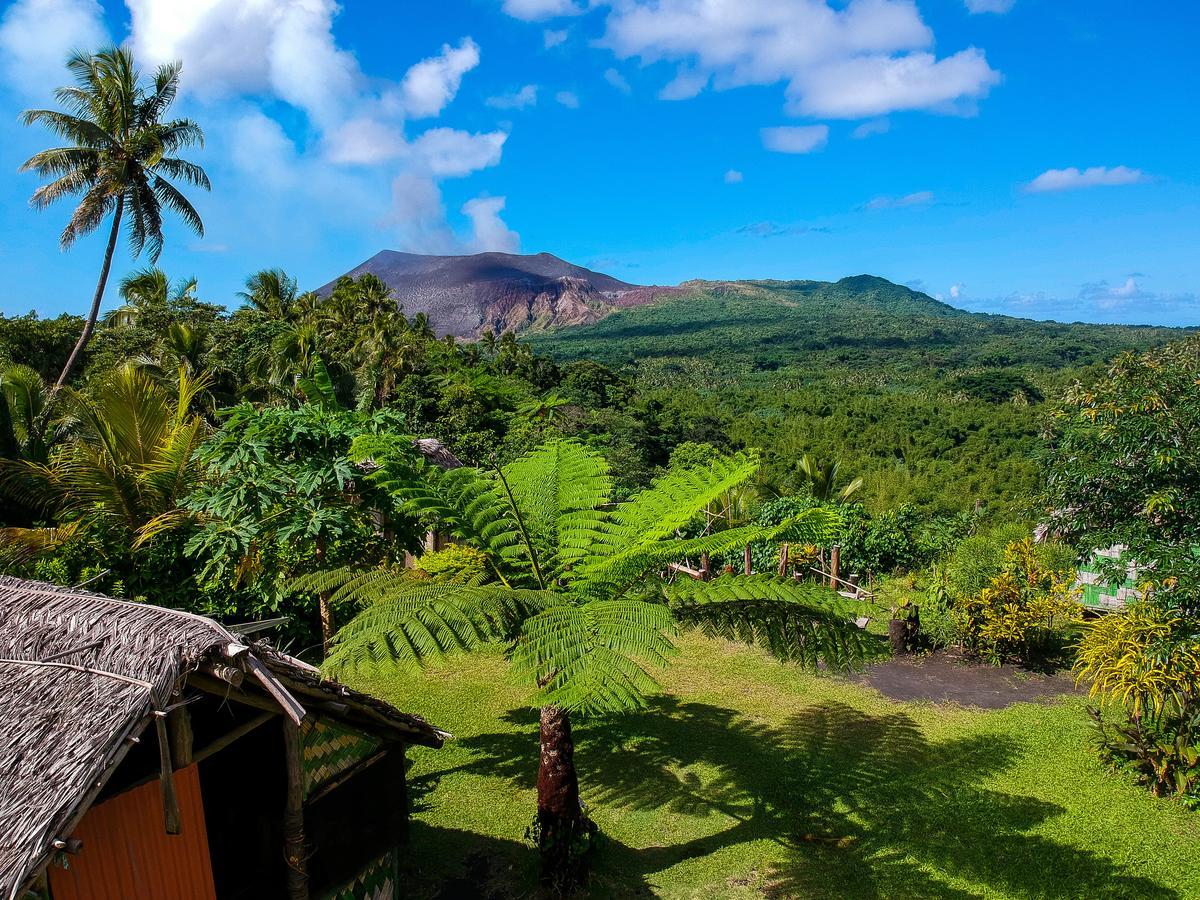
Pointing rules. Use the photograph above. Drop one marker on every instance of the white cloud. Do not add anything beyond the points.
(448, 152)
(1104, 296)
(874, 126)
(733, 176)
(419, 215)
(617, 80)
(861, 58)
(1073, 178)
(569, 99)
(519, 99)
(352, 141)
(432, 83)
(37, 36)
(230, 47)
(1126, 301)
(795, 138)
(365, 141)
(920, 198)
(974, 7)
(875, 85)
(536, 10)
(552, 37)
(686, 84)
(957, 291)
(488, 230)
(261, 149)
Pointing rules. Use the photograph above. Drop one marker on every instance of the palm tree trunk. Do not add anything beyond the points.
(563, 829)
(89, 326)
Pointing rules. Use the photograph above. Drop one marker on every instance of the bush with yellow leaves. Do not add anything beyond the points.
(1146, 660)
(1023, 613)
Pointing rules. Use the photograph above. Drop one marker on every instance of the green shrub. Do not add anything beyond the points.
(456, 563)
(1023, 612)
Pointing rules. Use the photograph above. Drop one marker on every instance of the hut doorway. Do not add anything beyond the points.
(245, 790)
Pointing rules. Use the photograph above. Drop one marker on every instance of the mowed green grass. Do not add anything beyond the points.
(748, 778)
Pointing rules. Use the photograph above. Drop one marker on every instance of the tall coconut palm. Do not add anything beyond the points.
(119, 157)
(577, 593)
(271, 292)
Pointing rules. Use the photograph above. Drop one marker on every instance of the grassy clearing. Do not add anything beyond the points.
(747, 778)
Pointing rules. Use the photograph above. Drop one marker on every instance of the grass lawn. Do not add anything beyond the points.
(748, 778)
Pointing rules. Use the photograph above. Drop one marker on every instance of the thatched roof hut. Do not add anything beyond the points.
(83, 677)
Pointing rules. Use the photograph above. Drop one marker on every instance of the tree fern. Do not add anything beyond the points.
(581, 599)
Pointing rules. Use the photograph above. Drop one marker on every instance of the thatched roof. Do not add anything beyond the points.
(82, 674)
(437, 453)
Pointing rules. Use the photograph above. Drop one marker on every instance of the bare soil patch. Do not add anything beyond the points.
(948, 677)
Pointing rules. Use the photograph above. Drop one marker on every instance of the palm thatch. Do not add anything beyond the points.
(437, 453)
(82, 675)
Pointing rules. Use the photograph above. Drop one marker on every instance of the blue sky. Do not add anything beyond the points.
(1032, 157)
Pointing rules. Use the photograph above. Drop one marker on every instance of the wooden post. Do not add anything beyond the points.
(179, 724)
(295, 854)
(835, 558)
(783, 559)
(747, 559)
(166, 776)
(705, 567)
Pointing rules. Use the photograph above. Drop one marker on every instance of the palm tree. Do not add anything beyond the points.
(119, 158)
(419, 325)
(271, 292)
(22, 399)
(128, 464)
(822, 479)
(149, 289)
(488, 342)
(577, 593)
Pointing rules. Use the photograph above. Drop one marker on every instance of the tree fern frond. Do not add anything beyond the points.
(591, 657)
(419, 621)
(675, 500)
(794, 621)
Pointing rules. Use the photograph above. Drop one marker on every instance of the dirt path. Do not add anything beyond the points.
(945, 677)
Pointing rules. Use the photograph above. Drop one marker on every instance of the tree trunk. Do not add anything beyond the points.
(563, 829)
(326, 608)
(89, 326)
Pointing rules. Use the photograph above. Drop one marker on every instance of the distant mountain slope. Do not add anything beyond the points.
(468, 295)
(856, 325)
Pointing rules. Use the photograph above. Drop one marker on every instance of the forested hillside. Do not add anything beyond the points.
(930, 404)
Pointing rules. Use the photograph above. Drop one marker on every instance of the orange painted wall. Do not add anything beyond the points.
(128, 854)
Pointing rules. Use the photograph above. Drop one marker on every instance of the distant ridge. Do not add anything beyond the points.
(468, 295)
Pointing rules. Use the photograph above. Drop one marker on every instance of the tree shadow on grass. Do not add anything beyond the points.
(859, 805)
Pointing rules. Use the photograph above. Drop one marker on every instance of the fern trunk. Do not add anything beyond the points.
(564, 831)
